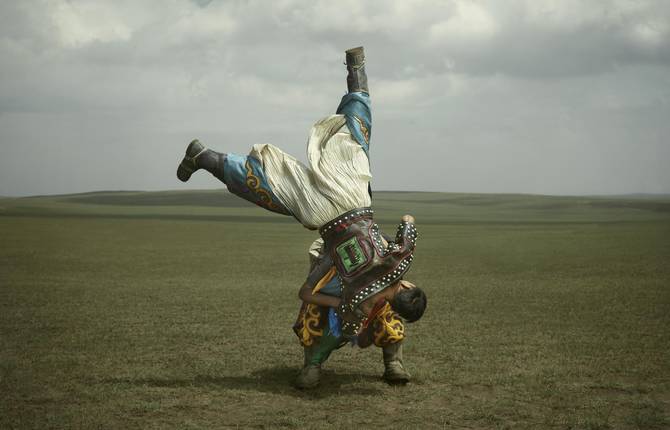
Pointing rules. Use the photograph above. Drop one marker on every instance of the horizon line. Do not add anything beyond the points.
(631, 194)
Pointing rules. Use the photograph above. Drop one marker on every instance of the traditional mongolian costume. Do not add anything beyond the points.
(318, 329)
(332, 195)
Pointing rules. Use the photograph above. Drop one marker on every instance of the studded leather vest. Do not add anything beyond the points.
(366, 266)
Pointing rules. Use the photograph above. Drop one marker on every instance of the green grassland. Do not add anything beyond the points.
(174, 310)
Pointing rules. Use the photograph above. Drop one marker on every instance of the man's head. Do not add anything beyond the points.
(409, 301)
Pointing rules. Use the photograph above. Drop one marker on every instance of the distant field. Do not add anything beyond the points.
(174, 310)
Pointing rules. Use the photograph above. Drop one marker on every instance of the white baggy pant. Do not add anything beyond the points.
(335, 182)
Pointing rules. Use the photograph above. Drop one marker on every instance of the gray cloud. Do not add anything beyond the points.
(523, 96)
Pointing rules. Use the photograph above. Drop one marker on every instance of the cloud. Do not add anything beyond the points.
(470, 22)
(80, 24)
(503, 79)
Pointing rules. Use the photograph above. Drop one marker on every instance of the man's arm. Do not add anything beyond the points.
(305, 294)
(320, 266)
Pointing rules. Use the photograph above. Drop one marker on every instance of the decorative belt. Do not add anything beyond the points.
(342, 221)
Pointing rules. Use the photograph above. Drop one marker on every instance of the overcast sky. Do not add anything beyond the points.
(548, 97)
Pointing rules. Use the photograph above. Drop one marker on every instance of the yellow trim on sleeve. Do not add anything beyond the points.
(326, 278)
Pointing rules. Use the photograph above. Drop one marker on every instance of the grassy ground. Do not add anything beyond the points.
(173, 310)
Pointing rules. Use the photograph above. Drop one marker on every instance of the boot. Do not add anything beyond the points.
(394, 372)
(357, 80)
(310, 374)
(308, 377)
(198, 157)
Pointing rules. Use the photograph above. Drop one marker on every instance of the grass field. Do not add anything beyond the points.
(174, 310)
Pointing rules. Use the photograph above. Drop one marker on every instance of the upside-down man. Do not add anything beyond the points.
(331, 195)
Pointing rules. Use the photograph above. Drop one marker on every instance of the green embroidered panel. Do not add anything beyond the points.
(351, 254)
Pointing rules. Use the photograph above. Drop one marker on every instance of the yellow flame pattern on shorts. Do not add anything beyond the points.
(310, 325)
(388, 327)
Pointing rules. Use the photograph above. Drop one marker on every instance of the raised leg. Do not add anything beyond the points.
(243, 175)
(355, 106)
(198, 157)
(357, 80)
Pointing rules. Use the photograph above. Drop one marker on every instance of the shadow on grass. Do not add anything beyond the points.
(278, 380)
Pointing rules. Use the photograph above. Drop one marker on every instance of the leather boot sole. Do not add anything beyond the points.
(396, 374)
(188, 164)
(308, 377)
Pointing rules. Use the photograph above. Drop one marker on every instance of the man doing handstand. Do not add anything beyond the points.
(332, 195)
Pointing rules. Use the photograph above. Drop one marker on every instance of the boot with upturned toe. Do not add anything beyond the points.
(357, 79)
(198, 157)
(309, 376)
(394, 371)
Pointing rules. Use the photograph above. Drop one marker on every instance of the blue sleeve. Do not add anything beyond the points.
(356, 109)
(333, 287)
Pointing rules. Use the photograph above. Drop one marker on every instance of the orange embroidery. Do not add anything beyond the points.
(364, 129)
(254, 185)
